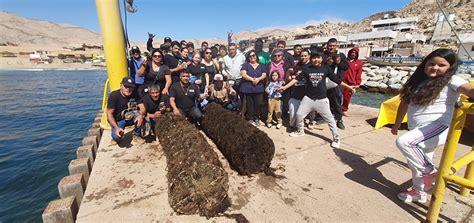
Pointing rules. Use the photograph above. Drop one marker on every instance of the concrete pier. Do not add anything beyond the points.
(356, 183)
(61, 211)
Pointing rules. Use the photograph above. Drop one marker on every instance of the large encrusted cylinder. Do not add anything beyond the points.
(197, 182)
(247, 149)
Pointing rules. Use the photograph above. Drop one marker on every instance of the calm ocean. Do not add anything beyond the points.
(45, 116)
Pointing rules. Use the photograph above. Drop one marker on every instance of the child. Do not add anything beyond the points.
(315, 95)
(429, 97)
(274, 102)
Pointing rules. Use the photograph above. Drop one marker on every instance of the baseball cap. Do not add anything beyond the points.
(128, 82)
(135, 49)
(218, 77)
(167, 39)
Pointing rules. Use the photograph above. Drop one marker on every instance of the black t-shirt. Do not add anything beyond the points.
(119, 103)
(211, 70)
(150, 105)
(156, 77)
(299, 89)
(172, 62)
(198, 71)
(315, 78)
(184, 96)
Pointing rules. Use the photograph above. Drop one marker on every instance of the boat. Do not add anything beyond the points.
(395, 61)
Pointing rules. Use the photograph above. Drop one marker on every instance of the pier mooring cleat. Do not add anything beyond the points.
(413, 196)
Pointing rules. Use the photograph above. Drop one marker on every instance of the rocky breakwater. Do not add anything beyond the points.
(385, 79)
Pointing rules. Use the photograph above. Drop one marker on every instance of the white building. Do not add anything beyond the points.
(315, 40)
(467, 40)
(395, 24)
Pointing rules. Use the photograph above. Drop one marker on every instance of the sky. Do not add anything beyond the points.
(187, 19)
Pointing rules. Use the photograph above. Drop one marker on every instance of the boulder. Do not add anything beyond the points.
(402, 73)
(374, 67)
(372, 84)
(393, 73)
(396, 86)
(366, 69)
(376, 78)
(371, 73)
(412, 69)
(382, 71)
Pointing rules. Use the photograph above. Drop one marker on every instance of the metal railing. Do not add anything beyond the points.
(448, 167)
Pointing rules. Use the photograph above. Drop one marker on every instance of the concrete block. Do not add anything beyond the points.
(94, 132)
(61, 211)
(96, 124)
(72, 185)
(81, 165)
(86, 151)
(91, 140)
(98, 119)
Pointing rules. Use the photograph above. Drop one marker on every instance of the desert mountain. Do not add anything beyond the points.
(19, 30)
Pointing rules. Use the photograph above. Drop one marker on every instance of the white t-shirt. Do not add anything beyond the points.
(441, 110)
(232, 66)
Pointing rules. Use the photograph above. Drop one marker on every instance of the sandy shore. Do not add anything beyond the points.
(19, 63)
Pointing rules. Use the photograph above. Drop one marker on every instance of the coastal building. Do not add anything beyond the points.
(442, 30)
(395, 24)
(467, 39)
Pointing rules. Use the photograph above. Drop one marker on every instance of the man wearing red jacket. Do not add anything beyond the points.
(351, 78)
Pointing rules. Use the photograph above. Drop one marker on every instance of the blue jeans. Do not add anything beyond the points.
(124, 123)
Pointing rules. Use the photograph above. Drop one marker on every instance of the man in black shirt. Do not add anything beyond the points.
(335, 94)
(315, 95)
(150, 108)
(122, 110)
(183, 97)
(174, 61)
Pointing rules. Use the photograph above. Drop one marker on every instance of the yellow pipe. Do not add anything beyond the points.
(104, 124)
(108, 12)
(468, 175)
(445, 164)
(461, 162)
(460, 181)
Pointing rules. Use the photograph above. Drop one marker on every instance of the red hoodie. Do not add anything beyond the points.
(353, 75)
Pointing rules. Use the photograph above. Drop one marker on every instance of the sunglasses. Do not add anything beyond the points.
(278, 55)
(253, 55)
(208, 52)
(157, 56)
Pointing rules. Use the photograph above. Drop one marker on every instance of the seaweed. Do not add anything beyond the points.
(197, 182)
(248, 149)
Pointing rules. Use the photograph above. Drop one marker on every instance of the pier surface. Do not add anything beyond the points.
(356, 183)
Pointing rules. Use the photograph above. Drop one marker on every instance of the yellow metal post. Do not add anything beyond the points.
(113, 38)
(447, 158)
(468, 175)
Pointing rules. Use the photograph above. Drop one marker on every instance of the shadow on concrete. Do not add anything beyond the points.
(373, 121)
(369, 176)
(318, 135)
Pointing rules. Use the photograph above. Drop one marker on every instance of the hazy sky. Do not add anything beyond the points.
(202, 18)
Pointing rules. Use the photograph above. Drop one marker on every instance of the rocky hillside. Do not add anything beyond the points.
(19, 30)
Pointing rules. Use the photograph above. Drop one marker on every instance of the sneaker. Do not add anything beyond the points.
(311, 126)
(269, 125)
(340, 125)
(345, 114)
(278, 126)
(412, 196)
(257, 123)
(336, 144)
(297, 134)
(252, 122)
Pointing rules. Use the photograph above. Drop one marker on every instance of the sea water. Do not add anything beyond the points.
(45, 115)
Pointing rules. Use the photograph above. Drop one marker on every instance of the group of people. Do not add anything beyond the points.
(269, 87)
(277, 85)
